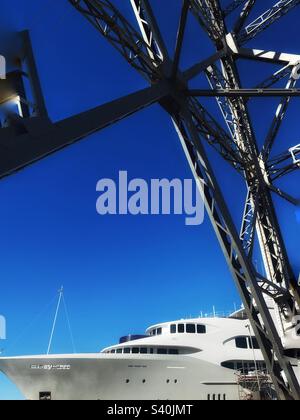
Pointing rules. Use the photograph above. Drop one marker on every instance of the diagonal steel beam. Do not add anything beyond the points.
(209, 16)
(247, 233)
(149, 29)
(180, 37)
(242, 271)
(278, 120)
(273, 57)
(215, 135)
(230, 8)
(244, 16)
(41, 138)
(198, 68)
(275, 78)
(266, 19)
(106, 18)
(285, 163)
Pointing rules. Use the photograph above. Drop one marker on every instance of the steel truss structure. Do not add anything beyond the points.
(26, 139)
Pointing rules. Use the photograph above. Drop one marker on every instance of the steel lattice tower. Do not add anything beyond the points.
(35, 136)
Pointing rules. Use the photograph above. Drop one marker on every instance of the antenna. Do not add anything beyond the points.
(61, 293)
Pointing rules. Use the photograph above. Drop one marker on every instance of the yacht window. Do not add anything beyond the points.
(201, 329)
(241, 342)
(191, 328)
(113, 351)
(245, 366)
(135, 350)
(228, 365)
(181, 328)
(253, 341)
(173, 351)
(127, 350)
(159, 331)
(173, 329)
(162, 351)
(119, 351)
(292, 353)
(144, 350)
(151, 351)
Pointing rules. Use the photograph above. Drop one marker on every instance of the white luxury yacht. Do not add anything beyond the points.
(195, 359)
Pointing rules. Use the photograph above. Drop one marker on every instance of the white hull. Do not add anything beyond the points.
(105, 377)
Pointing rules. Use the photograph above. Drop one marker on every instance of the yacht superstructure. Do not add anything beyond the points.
(194, 359)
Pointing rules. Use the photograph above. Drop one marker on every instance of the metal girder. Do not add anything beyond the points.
(266, 19)
(233, 6)
(122, 35)
(285, 163)
(247, 93)
(198, 68)
(232, 117)
(272, 245)
(215, 135)
(209, 15)
(275, 78)
(248, 283)
(277, 121)
(247, 233)
(150, 30)
(180, 37)
(41, 138)
(290, 199)
(273, 57)
(244, 16)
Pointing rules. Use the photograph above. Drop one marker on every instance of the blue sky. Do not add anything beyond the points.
(120, 274)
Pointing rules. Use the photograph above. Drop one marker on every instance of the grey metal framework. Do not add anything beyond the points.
(33, 136)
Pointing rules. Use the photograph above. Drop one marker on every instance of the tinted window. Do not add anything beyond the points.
(113, 351)
(201, 329)
(191, 328)
(228, 365)
(173, 329)
(162, 351)
(135, 350)
(241, 342)
(181, 328)
(159, 331)
(173, 351)
(255, 343)
(293, 353)
(126, 350)
(144, 350)
(119, 351)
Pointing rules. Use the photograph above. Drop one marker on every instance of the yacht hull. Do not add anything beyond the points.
(108, 377)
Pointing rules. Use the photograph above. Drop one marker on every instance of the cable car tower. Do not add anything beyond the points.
(32, 136)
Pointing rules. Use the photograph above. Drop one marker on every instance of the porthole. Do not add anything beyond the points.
(127, 381)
